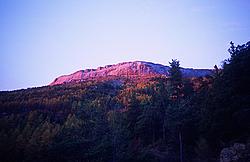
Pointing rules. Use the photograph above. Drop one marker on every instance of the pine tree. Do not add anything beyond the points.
(176, 92)
(176, 85)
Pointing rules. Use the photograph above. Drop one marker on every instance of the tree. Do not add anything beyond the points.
(176, 92)
(228, 101)
(176, 85)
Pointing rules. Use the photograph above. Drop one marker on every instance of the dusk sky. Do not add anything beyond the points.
(43, 39)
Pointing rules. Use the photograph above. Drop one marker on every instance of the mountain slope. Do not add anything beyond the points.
(131, 69)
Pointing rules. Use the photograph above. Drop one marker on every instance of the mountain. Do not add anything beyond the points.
(132, 112)
(127, 69)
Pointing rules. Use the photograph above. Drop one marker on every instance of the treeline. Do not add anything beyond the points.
(158, 119)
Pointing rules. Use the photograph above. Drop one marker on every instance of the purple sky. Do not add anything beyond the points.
(42, 39)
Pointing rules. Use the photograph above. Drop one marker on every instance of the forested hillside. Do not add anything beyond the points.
(175, 119)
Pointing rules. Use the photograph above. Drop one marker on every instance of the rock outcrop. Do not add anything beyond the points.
(131, 69)
(236, 153)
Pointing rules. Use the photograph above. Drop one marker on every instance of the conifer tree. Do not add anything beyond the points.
(176, 92)
(176, 85)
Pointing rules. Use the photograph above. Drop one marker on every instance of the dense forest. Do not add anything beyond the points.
(173, 119)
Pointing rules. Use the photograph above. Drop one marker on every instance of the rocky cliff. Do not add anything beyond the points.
(131, 69)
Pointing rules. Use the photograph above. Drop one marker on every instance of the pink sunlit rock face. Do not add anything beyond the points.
(126, 69)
